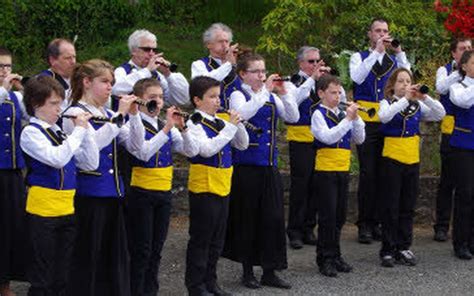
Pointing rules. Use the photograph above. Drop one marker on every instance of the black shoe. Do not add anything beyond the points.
(440, 235)
(310, 239)
(328, 268)
(405, 257)
(342, 266)
(387, 261)
(217, 291)
(365, 235)
(274, 281)
(296, 243)
(251, 282)
(463, 253)
(377, 233)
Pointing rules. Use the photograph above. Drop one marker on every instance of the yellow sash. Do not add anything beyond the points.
(299, 133)
(333, 160)
(47, 202)
(152, 178)
(447, 125)
(404, 150)
(203, 178)
(366, 104)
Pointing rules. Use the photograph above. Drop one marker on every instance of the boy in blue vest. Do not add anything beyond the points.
(333, 130)
(149, 200)
(52, 158)
(209, 182)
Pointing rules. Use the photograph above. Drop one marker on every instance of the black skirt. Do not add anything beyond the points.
(256, 223)
(13, 226)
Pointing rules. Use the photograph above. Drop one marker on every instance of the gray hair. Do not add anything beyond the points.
(137, 36)
(303, 51)
(208, 35)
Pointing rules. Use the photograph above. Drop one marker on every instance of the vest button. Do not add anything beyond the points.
(269, 118)
(7, 135)
(268, 144)
(8, 118)
(110, 155)
(269, 131)
(7, 150)
(378, 78)
(378, 90)
(111, 171)
(159, 162)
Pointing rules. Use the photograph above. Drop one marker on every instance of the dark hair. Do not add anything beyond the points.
(53, 48)
(200, 85)
(454, 43)
(38, 89)
(245, 58)
(377, 19)
(466, 56)
(326, 80)
(90, 69)
(390, 84)
(142, 85)
(5, 52)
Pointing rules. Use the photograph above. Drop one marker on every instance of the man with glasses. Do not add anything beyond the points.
(220, 64)
(61, 58)
(369, 70)
(146, 62)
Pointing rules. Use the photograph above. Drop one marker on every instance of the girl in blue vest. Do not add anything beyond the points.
(400, 112)
(101, 265)
(256, 225)
(149, 201)
(461, 94)
(52, 158)
(12, 188)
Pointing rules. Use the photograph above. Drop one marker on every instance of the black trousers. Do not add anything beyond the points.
(463, 222)
(445, 196)
(148, 220)
(302, 211)
(331, 198)
(370, 155)
(101, 264)
(207, 226)
(52, 242)
(13, 226)
(397, 209)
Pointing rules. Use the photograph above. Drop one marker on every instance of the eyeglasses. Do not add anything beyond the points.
(257, 71)
(5, 66)
(313, 61)
(148, 49)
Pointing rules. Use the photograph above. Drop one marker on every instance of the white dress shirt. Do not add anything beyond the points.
(462, 96)
(175, 86)
(130, 134)
(79, 144)
(198, 68)
(287, 108)
(444, 81)
(4, 95)
(329, 136)
(235, 134)
(181, 143)
(359, 70)
(431, 110)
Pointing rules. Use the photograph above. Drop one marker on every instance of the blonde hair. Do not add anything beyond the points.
(89, 69)
(390, 85)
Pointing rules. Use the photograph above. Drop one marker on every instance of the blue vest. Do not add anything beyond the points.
(372, 88)
(10, 130)
(405, 123)
(444, 99)
(332, 120)
(56, 76)
(230, 83)
(463, 133)
(223, 159)
(162, 158)
(262, 150)
(43, 175)
(105, 181)
(307, 107)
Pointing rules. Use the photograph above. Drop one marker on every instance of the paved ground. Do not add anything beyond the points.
(438, 271)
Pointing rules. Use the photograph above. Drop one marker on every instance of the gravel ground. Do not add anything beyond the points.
(437, 273)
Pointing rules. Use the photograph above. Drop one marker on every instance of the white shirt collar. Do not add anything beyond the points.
(134, 65)
(303, 74)
(219, 61)
(335, 110)
(205, 115)
(468, 80)
(249, 90)
(93, 109)
(43, 123)
(151, 120)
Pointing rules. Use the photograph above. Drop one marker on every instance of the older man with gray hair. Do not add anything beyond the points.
(302, 210)
(146, 62)
(220, 62)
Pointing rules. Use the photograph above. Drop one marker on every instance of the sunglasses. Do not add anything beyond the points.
(313, 61)
(148, 49)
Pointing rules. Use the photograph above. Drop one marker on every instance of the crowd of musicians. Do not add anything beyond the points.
(91, 215)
